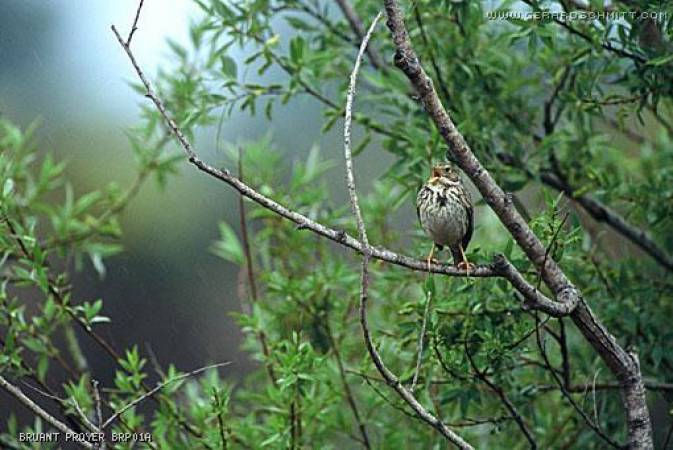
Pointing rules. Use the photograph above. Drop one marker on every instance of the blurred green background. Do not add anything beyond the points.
(61, 65)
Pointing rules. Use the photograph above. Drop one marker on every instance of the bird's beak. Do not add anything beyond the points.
(436, 173)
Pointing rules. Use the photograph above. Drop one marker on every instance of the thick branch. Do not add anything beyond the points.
(534, 299)
(624, 365)
(602, 213)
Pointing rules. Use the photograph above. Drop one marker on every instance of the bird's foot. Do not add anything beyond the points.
(431, 261)
(466, 266)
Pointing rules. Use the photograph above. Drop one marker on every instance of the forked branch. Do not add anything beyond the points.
(623, 365)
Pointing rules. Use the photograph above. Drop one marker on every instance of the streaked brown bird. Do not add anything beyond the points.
(446, 213)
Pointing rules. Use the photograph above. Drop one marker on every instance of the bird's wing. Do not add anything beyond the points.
(469, 209)
(419, 198)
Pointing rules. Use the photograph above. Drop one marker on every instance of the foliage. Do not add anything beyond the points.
(588, 102)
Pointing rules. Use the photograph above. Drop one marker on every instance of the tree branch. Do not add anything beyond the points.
(28, 403)
(359, 30)
(604, 214)
(156, 389)
(523, 426)
(533, 298)
(303, 222)
(624, 365)
(593, 425)
(391, 379)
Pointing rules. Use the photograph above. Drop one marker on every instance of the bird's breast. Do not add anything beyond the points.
(442, 215)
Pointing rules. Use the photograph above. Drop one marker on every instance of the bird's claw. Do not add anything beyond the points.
(466, 266)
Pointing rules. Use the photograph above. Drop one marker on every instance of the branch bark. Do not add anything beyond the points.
(623, 365)
(37, 410)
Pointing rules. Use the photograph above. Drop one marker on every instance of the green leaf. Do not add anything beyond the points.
(228, 246)
(297, 45)
(8, 188)
(661, 60)
(229, 66)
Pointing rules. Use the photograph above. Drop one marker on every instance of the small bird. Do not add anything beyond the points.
(446, 213)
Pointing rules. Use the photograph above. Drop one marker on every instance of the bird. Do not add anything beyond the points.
(446, 213)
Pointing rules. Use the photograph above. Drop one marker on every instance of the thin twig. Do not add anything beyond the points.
(220, 421)
(593, 425)
(359, 30)
(82, 415)
(551, 244)
(99, 410)
(549, 121)
(28, 403)
(500, 392)
(156, 389)
(348, 120)
(134, 27)
(421, 339)
(390, 378)
(433, 60)
(261, 335)
(347, 389)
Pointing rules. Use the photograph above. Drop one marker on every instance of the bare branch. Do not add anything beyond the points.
(134, 27)
(37, 410)
(582, 388)
(99, 410)
(391, 379)
(156, 389)
(533, 298)
(348, 122)
(421, 338)
(347, 389)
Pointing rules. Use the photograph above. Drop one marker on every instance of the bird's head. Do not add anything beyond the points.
(444, 171)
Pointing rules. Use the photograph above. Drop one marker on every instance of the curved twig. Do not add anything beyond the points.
(156, 389)
(391, 379)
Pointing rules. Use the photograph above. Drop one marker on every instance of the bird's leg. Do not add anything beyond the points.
(429, 260)
(464, 264)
